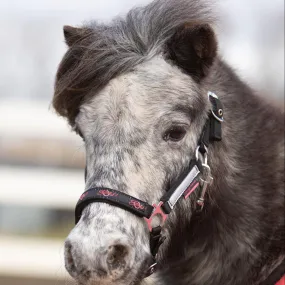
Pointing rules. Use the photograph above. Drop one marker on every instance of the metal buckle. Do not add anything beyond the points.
(157, 211)
(151, 269)
(221, 119)
(205, 155)
(206, 181)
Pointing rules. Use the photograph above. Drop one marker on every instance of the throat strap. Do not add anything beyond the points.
(115, 198)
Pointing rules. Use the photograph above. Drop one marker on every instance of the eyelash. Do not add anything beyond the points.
(175, 134)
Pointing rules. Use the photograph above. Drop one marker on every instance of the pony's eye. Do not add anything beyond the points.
(175, 134)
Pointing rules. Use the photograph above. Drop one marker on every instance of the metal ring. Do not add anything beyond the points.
(206, 166)
(197, 152)
(206, 159)
(216, 117)
(205, 155)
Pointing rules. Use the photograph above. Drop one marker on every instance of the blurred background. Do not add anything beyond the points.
(41, 161)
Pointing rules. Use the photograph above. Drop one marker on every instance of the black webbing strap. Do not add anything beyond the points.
(156, 240)
(213, 129)
(113, 197)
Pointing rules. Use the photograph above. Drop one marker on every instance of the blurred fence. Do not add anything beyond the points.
(41, 178)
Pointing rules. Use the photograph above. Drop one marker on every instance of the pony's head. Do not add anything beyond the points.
(135, 92)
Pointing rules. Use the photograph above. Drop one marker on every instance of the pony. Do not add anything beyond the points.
(140, 91)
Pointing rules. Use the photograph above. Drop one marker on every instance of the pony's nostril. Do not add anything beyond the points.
(98, 264)
(69, 260)
(117, 257)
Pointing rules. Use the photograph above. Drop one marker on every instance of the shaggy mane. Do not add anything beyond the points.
(105, 51)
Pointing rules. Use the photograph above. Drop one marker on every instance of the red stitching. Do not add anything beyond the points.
(136, 204)
(82, 196)
(107, 193)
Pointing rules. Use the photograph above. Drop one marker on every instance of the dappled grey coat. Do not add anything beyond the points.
(238, 239)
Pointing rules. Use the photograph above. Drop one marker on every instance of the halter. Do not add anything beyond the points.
(195, 178)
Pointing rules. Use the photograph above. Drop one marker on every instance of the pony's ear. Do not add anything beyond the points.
(74, 35)
(193, 48)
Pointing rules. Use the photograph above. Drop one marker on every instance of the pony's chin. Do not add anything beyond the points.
(96, 282)
(138, 279)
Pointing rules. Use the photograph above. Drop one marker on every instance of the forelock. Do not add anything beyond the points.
(109, 50)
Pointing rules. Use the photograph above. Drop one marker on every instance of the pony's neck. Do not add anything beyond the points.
(246, 166)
